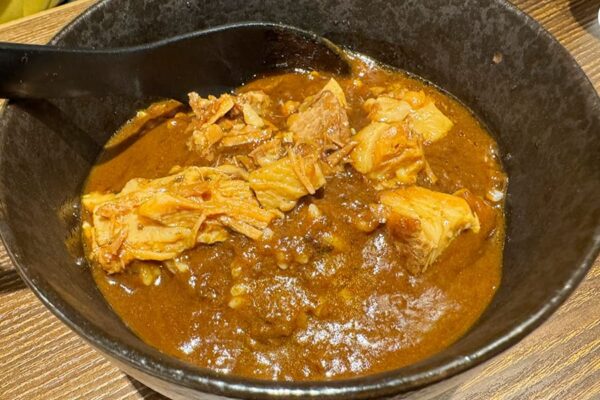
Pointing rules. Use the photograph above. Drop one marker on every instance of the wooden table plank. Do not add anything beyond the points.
(40, 358)
(40, 28)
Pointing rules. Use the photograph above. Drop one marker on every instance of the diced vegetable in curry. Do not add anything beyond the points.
(305, 227)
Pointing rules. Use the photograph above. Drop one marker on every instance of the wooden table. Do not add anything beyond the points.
(40, 358)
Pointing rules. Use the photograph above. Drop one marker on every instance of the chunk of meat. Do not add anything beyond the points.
(387, 109)
(259, 101)
(395, 104)
(280, 184)
(209, 110)
(322, 121)
(205, 132)
(244, 134)
(158, 219)
(429, 122)
(387, 155)
(252, 105)
(228, 121)
(204, 138)
(334, 87)
(268, 152)
(415, 99)
(398, 90)
(471, 245)
(251, 117)
(423, 223)
(485, 213)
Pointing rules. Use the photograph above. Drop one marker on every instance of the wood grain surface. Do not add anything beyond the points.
(42, 359)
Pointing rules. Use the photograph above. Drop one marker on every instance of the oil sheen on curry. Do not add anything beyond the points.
(305, 227)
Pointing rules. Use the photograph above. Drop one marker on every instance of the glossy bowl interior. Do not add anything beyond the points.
(535, 100)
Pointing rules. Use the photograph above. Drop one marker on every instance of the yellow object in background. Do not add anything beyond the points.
(13, 9)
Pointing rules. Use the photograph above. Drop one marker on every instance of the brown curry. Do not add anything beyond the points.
(303, 228)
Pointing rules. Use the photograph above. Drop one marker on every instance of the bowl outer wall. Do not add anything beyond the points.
(546, 74)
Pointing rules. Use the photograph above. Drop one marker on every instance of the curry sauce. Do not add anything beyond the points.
(327, 294)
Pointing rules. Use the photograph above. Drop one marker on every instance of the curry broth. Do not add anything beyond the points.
(341, 314)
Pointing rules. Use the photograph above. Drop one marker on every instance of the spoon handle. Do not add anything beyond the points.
(32, 71)
(215, 60)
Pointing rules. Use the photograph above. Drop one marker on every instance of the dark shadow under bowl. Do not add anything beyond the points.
(537, 102)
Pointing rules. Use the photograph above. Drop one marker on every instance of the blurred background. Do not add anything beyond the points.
(13, 9)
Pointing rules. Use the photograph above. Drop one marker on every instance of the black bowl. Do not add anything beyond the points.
(542, 109)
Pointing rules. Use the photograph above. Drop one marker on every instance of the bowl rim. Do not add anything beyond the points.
(187, 375)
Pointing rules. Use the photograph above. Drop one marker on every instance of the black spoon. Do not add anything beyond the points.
(213, 61)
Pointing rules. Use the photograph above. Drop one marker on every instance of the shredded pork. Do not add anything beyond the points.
(158, 219)
(322, 121)
(279, 185)
(228, 121)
